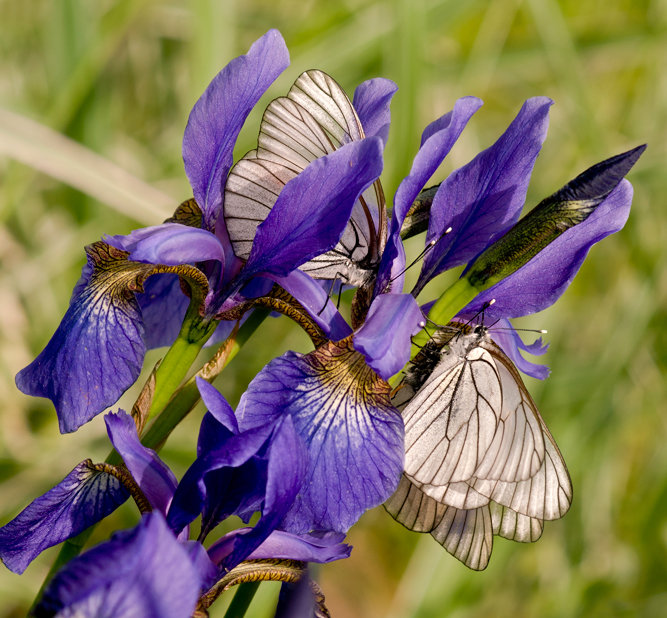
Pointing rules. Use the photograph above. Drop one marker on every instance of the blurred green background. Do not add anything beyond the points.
(119, 78)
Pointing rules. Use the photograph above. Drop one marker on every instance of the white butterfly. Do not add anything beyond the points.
(314, 119)
(479, 460)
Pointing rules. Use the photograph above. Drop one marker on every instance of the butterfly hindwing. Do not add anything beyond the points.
(466, 534)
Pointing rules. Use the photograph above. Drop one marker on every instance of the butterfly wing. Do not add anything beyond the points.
(471, 420)
(314, 119)
(467, 534)
(479, 459)
(546, 493)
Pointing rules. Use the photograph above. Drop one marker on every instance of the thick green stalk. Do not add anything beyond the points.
(242, 598)
(178, 360)
(453, 299)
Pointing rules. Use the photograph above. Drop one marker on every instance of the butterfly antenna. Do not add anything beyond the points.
(426, 249)
(485, 306)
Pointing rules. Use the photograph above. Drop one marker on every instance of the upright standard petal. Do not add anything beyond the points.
(312, 210)
(354, 436)
(540, 282)
(152, 475)
(484, 198)
(371, 102)
(219, 114)
(140, 572)
(98, 349)
(438, 139)
(232, 456)
(81, 499)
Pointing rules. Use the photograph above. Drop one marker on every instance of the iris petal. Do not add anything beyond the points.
(163, 305)
(312, 210)
(315, 300)
(192, 492)
(283, 545)
(82, 498)
(540, 282)
(170, 243)
(139, 572)
(152, 475)
(371, 102)
(285, 473)
(484, 198)
(94, 355)
(438, 139)
(354, 436)
(384, 338)
(98, 349)
(219, 114)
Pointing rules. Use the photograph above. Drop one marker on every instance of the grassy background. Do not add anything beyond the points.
(120, 77)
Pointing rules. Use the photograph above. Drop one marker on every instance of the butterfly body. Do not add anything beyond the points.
(479, 459)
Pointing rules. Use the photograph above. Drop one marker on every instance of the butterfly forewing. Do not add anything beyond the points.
(517, 450)
(313, 120)
(450, 423)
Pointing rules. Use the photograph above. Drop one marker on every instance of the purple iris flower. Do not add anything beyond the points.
(482, 201)
(337, 396)
(154, 567)
(259, 470)
(97, 351)
(140, 572)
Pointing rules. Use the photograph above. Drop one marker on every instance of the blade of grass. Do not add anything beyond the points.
(52, 153)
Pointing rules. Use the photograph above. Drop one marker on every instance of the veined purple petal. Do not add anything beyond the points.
(371, 102)
(283, 545)
(227, 490)
(316, 301)
(94, 355)
(354, 436)
(384, 338)
(152, 475)
(140, 572)
(438, 139)
(540, 282)
(81, 499)
(171, 244)
(313, 208)
(285, 474)
(484, 198)
(219, 114)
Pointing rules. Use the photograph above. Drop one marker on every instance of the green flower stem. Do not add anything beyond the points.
(175, 411)
(188, 396)
(453, 299)
(178, 360)
(241, 600)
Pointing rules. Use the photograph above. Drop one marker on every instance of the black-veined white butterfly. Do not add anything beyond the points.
(314, 119)
(479, 460)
